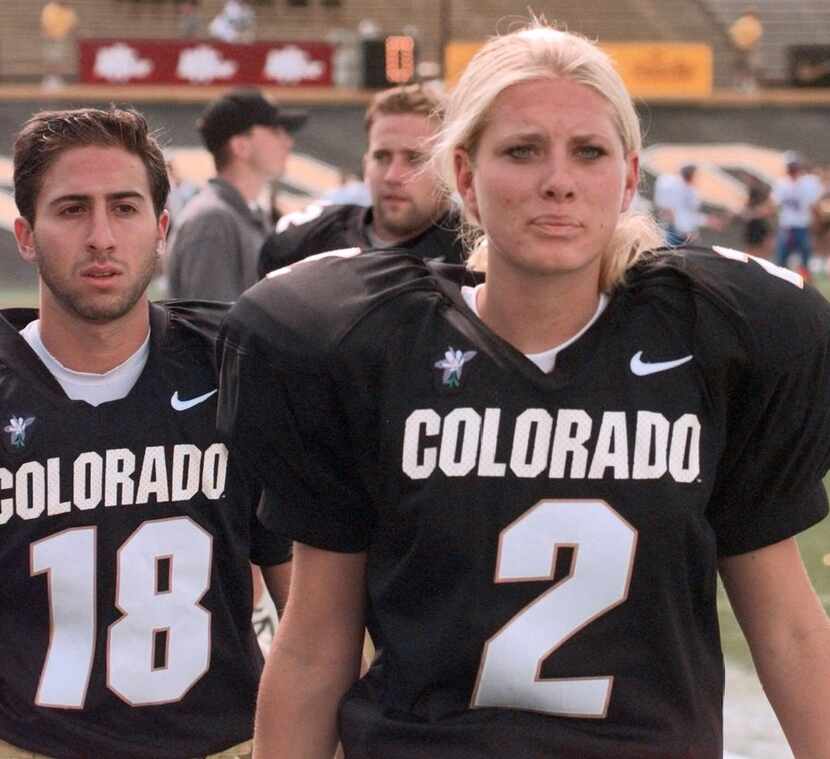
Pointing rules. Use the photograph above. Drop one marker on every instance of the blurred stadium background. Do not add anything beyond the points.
(329, 55)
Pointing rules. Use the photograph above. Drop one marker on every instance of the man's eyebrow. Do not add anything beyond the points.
(82, 198)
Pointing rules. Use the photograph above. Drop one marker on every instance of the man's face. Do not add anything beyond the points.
(405, 196)
(96, 239)
(267, 150)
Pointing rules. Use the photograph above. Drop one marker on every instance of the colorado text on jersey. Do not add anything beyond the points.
(116, 477)
(465, 442)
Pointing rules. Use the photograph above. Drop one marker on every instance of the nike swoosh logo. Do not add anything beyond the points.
(180, 405)
(643, 368)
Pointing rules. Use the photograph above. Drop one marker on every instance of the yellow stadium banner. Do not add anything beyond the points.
(664, 69)
(456, 57)
(649, 69)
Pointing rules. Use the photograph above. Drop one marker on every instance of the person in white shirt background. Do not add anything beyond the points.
(678, 208)
(796, 195)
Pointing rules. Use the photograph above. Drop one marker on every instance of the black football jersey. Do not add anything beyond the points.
(321, 228)
(542, 548)
(126, 537)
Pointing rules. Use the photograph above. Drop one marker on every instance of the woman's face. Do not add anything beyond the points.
(549, 178)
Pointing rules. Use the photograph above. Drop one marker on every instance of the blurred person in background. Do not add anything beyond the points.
(58, 22)
(678, 208)
(407, 208)
(796, 195)
(822, 218)
(190, 23)
(215, 244)
(235, 23)
(758, 216)
(182, 191)
(216, 236)
(746, 33)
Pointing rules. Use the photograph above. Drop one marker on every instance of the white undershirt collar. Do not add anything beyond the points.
(93, 388)
(546, 360)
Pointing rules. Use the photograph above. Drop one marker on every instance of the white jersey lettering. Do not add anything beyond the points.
(115, 477)
(573, 445)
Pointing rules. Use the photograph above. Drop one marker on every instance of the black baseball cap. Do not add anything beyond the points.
(238, 111)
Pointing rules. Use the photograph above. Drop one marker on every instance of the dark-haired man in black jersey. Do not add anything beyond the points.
(127, 529)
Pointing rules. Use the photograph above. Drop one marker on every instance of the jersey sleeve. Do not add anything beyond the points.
(275, 253)
(267, 546)
(282, 408)
(199, 322)
(290, 242)
(778, 432)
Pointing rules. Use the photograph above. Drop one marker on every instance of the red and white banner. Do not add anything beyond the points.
(205, 62)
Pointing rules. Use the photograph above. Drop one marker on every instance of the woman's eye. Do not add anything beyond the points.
(590, 151)
(521, 151)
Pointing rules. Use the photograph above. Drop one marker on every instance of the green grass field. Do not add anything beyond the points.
(815, 550)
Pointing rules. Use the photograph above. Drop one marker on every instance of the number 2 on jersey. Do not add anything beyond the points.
(603, 546)
(69, 560)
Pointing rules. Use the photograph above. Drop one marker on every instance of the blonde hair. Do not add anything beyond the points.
(539, 51)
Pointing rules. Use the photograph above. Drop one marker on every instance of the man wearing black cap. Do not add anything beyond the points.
(216, 242)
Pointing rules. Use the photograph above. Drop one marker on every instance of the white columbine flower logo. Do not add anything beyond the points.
(17, 429)
(452, 364)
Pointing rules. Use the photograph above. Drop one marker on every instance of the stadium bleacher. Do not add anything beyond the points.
(786, 23)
